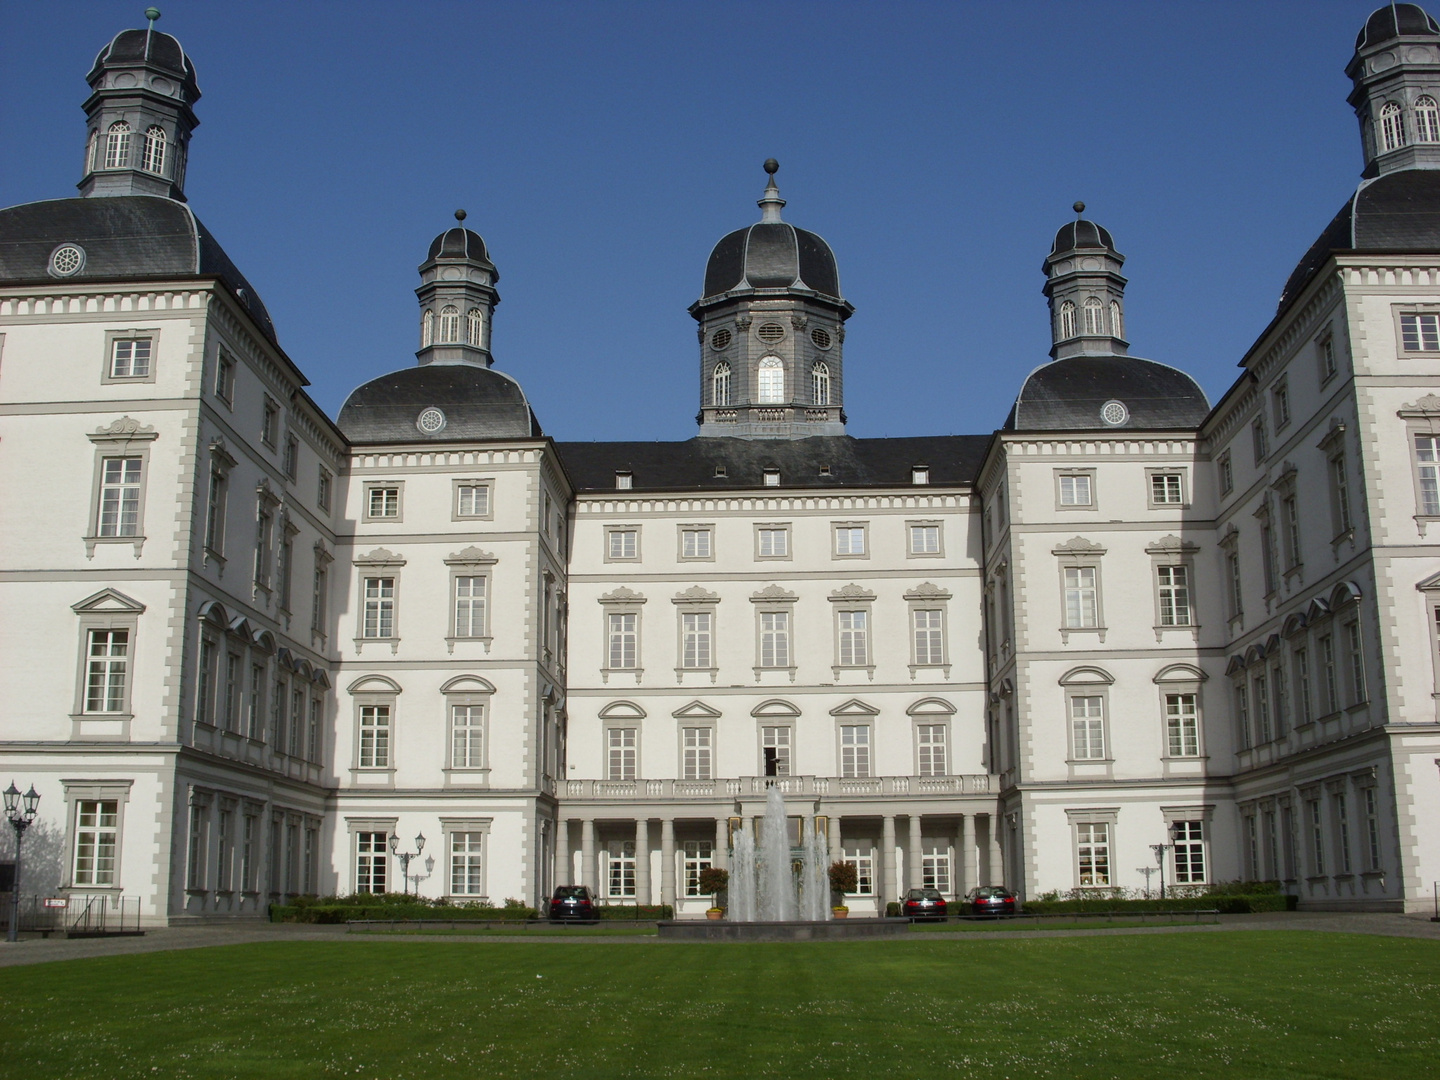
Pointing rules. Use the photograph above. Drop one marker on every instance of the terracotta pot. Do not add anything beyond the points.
(840, 912)
(714, 913)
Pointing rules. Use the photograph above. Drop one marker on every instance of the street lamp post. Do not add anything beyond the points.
(20, 820)
(406, 856)
(1147, 871)
(1160, 850)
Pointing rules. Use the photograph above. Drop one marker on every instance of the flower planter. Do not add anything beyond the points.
(840, 912)
(715, 913)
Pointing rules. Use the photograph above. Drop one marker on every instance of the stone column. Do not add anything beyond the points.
(997, 861)
(564, 868)
(834, 843)
(667, 861)
(965, 864)
(912, 855)
(722, 843)
(587, 852)
(642, 861)
(887, 862)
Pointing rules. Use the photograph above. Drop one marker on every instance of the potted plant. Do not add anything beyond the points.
(844, 878)
(714, 880)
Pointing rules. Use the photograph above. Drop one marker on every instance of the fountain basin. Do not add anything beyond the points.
(837, 930)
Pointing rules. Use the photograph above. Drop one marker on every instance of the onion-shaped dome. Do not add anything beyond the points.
(438, 402)
(152, 49)
(1393, 21)
(1089, 393)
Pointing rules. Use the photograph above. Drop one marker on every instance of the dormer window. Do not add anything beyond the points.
(920, 474)
(721, 472)
(449, 323)
(624, 481)
(1094, 317)
(1066, 322)
(1427, 120)
(820, 383)
(720, 384)
(772, 381)
(154, 160)
(474, 325)
(772, 477)
(1392, 128)
(1117, 321)
(117, 145)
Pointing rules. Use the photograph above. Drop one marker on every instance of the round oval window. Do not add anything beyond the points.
(720, 339)
(820, 337)
(770, 333)
(430, 420)
(66, 260)
(1114, 413)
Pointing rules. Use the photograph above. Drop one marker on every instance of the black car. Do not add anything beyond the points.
(991, 900)
(573, 903)
(923, 904)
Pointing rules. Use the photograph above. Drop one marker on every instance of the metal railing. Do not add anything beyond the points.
(100, 916)
(732, 787)
(35, 917)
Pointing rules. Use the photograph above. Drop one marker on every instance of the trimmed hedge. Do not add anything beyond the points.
(642, 913)
(1225, 904)
(393, 911)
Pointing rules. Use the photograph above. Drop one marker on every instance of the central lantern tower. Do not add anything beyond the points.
(772, 331)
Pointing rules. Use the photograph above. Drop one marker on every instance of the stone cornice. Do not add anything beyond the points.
(607, 503)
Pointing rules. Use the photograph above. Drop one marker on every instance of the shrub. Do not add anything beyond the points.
(1229, 904)
(714, 879)
(633, 911)
(844, 878)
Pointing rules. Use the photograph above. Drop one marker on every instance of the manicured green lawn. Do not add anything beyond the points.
(1232, 1004)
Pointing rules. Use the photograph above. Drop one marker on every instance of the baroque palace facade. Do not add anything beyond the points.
(245, 645)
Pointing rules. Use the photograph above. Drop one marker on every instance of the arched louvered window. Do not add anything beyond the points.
(1117, 320)
(1094, 316)
(720, 384)
(92, 152)
(154, 161)
(117, 145)
(475, 327)
(1392, 128)
(449, 323)
(1065, 323)
(820, 383)
(427, 329)
(771, 381)
(1427, 120)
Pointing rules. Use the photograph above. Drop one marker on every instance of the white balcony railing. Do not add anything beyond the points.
(746, 786)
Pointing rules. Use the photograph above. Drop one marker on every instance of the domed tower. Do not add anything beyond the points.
(140, 115)
(772, 331)
(1086, 291)
(457, 298)
(1396, 71)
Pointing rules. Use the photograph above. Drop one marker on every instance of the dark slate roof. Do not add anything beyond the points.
(1081, 234)
(772, 255)
(690, 466)
(1399, 211)
(124, 237)
(1396, 20)
(151, 48)
(1067, 395)
(478, 403)
(458, 243)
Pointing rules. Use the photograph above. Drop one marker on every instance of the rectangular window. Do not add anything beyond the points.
(379, 618)
(317, 706)
(775, 742)
(255, 704)
(374, 736)
(1291, 515)
(935, 867)
(1328, 673)
(623, 637)
(695, 634)
(107, 667)
(264, 537)
(855, 750)
(854, 638)
(695, 544)
(1174, 595)
(930, 746)
(1341, 488)
(205, 684)
(247, 854)
(472, 500)
(1263, 730)
(849, 540)
(1189, 837)
(924, 539)
(297, 721)
(1280, 397)
(286, 565)
(1252, 848)
(1280, 703)
(864, 859)
(774, 639)
(1081, 607)
(1267, 555)
(624, 481)
(624, 543)
(382, 502)
(1427, 464)
(215, 512)
(1165, 489)
(1075, 490)
(929, 636)
(119, 509)
(696, 745)
(1305, 712)
(697, 855)
(771, 478)
(1420, 332)
(1326, 350)
(1237, 591)
(469, 607)
(1182, 725)
(920, 474)
(467, 876)
(1087, 727)
(319, 587)
(620, 750)
(195, 868)
(130, 358)
(222, 851)
(1092, 853)
(773, 543)
(269, 421)
(1357, 663)
(230, 716)
(291, 462)
(322, 490)
(620, 870)
(1342, 830)
(1317, 837)
(1372, 829)
(1242, 716)
(225, 379)
(1260, 440)
(97, 828)
(1227, 474)
(371, 861)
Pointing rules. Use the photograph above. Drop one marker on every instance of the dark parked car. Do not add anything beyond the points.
(991, 900)
(573, 902)
(923, 904)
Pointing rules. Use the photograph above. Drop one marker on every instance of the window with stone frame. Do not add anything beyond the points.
(863, 856)
(1075, 489)
(1087, 727)
(697, 856)
(467, 863)
(931, 749)
(621, 753)
(1182, 725)
(855, 750)
(1173, 585)
(372, 861)
(697, 753)
(1189, 854)
(374, 737)
(618, 869)
(1420, 332)
(776, 741)
(1092, 853)
(96, 843)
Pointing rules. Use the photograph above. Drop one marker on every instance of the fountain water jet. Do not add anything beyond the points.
(763, 884)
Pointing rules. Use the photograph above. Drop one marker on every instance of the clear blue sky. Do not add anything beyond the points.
(602, 148)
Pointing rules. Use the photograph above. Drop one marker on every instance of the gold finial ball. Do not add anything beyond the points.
(1079, 208)
(772, 166)
(152, 13)
(459, 215)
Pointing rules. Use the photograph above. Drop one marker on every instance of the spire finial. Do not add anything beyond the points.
(770, 203)
(460, 215)
(1079, 208)
(153, 14)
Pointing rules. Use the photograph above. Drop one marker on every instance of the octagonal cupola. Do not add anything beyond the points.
(1086, 291)
(457, 298)
(1396, 72)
